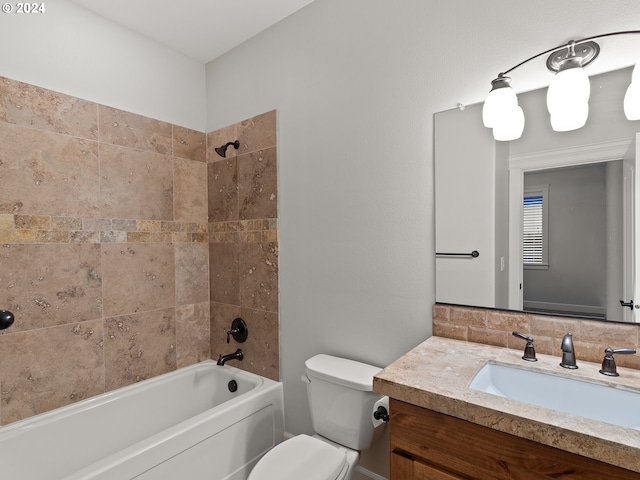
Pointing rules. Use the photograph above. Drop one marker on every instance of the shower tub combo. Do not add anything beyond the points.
(199, 422)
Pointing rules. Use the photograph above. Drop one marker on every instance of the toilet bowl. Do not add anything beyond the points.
(341, 402)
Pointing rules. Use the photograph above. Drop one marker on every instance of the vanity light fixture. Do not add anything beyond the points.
(567, 95)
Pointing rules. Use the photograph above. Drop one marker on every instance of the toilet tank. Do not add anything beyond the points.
(341, 399)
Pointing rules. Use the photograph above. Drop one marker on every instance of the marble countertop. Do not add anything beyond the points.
(436, 375)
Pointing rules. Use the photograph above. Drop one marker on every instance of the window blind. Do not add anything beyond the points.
(532, 229)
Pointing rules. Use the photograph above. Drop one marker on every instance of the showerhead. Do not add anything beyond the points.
(222, 151)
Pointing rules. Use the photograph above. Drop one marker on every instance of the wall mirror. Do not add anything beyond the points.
(586, 179)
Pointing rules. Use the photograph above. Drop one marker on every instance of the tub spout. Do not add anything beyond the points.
(237, 355)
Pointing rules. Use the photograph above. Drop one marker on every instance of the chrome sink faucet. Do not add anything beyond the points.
(568, 353)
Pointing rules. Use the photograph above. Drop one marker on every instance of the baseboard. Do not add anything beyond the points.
(369, 473)
(564, 308)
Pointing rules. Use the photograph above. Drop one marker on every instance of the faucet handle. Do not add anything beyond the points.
(239, 331)
(529, 350)
(609, 362)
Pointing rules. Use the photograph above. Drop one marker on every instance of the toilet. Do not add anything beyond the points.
(342, 403)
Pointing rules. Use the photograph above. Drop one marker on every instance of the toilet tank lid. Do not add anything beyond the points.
(342, 371)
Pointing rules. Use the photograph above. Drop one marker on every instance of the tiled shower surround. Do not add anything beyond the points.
(243, 242)
(108, 233)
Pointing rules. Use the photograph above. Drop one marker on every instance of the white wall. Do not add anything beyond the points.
(356, 83)
(70, 50)
(356, 249)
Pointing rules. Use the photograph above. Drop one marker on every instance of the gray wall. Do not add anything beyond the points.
(71, 50)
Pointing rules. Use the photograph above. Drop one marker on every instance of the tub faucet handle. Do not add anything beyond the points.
(609, 363)
(529, 350)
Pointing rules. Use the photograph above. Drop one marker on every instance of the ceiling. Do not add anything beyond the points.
(200, 29)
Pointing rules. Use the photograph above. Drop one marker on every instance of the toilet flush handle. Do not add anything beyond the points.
(381, 414)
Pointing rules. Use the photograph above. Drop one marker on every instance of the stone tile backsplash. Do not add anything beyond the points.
(495, 327)
(106, 239)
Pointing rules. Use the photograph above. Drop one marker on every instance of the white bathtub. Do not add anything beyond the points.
(181, 425)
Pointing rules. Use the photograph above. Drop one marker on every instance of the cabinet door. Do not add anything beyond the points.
(401, 467)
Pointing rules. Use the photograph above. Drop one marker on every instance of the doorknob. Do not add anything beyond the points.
(627, 304)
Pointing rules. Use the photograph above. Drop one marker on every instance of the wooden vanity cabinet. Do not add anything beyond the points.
(427, 445)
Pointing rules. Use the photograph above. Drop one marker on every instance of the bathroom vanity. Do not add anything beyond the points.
(443, 430)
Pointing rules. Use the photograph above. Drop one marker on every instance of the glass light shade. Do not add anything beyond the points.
(498, 101)
(632, 102)
(632, 97)
(571, 118)
(511, 124)
(568, 88)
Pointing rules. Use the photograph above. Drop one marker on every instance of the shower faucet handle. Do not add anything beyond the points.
(239, 331)
(6, 319)
(529, 350)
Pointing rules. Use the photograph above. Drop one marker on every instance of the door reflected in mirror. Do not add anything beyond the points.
(573, 240)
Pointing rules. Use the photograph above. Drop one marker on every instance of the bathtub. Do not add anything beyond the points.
(186, 424)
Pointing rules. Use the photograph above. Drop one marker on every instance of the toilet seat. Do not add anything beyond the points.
(299, 457)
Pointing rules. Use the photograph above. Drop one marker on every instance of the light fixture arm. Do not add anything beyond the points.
(568, 45)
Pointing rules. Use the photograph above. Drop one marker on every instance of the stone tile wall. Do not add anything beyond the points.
(243, 236)
(105, 249)
(495, 327)
(108, 230)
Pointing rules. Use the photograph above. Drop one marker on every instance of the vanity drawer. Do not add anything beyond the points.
(429, 445)
(403, 467)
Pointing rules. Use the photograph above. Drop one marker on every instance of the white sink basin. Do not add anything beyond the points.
(577, 397)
